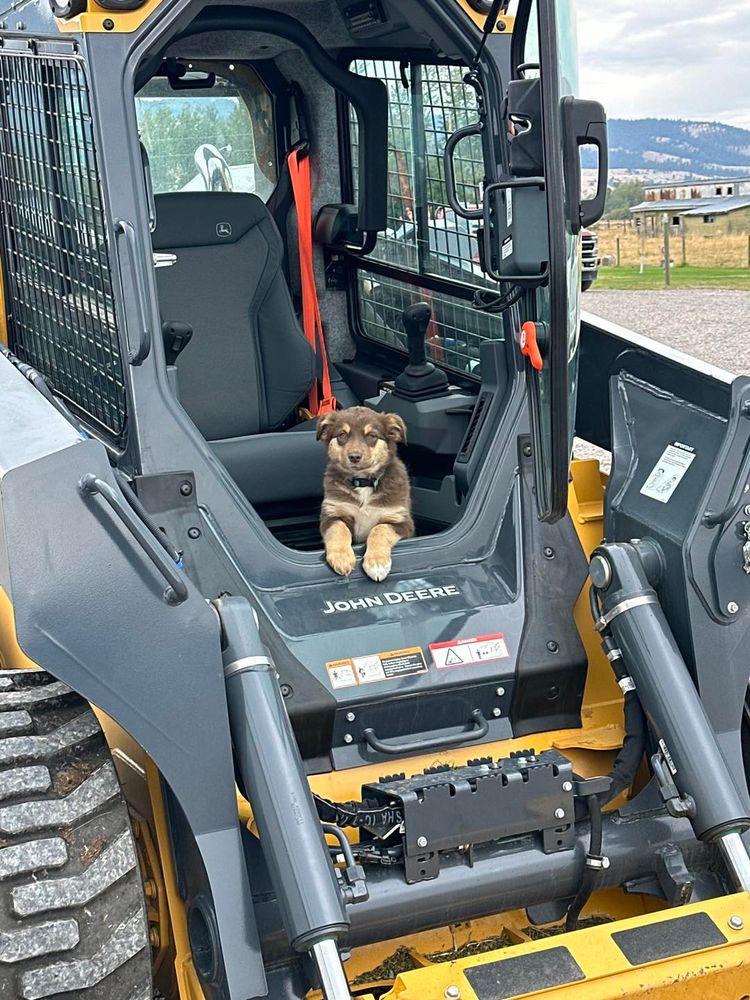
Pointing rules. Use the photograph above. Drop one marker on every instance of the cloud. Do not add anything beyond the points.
(663, 59)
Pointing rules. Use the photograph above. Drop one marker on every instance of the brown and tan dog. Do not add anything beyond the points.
(367, 494)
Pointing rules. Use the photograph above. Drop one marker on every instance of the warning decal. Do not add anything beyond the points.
(376, 667)
(667, 474)
(461, 652)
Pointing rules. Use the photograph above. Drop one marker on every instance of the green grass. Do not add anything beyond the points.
(629, 278)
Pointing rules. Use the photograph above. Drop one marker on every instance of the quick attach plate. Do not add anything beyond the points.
(448, 808)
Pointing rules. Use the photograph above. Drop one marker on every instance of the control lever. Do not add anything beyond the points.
(420, 379)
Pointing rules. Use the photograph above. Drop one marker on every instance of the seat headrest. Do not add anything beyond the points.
(205, 218)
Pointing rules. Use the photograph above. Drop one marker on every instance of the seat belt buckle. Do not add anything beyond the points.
(327, 405)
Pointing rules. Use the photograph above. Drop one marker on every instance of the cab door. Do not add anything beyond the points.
(545, 50)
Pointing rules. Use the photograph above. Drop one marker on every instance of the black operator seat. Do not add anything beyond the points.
(248, 365)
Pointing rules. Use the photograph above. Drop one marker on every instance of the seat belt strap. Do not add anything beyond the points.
(321, 398)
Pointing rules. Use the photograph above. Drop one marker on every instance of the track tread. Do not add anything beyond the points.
(72, 913)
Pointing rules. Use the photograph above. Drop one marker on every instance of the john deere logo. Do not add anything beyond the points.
(223, 229)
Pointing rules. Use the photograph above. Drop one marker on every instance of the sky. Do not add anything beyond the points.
(666, 59)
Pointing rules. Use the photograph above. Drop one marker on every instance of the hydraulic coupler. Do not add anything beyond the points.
(290, 832)
(690, 762)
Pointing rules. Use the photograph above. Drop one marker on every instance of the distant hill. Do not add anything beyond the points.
(650, 147)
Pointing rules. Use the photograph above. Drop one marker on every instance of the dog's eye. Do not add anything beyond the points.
(371, 439)
(342, 437)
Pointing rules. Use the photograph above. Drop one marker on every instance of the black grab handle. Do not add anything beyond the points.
(393, 748)
(91, 485)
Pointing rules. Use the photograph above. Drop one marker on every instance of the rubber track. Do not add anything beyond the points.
(72, 913)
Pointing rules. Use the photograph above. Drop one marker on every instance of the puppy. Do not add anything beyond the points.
(367, 495)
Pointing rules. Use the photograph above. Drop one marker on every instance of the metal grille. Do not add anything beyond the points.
(59, 299)
(426, 104)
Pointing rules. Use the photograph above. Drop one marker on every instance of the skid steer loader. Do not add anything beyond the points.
(517, 765)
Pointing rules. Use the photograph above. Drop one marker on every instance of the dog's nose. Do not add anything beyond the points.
(355, 458)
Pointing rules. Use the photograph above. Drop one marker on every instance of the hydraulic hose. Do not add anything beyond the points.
(594, 864)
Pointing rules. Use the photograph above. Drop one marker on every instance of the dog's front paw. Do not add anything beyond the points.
(377, 565)
(341, 560)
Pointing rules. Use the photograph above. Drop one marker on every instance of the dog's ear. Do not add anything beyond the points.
(325, 426)
(394, 427)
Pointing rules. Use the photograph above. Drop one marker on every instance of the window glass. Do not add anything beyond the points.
(426, 104)
(217, 138)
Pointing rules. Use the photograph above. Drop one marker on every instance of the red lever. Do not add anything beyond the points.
(529, 346)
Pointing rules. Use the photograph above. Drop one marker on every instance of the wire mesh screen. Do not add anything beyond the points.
(426, 104)
(59, 298)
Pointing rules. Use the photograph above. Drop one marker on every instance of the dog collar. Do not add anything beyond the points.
(360, 481)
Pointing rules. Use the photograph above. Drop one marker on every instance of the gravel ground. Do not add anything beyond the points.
(709, 324)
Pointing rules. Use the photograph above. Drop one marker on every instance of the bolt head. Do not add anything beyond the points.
(559, 814)
(567, 786)
(496, 712)
(194, 532)
(736, 922)
(350, 716)
(500, 692)
(421, 841)
(549, 552)
(733, 607)
(186, 488)
(348, 738)
(453, 993)
(553, 646)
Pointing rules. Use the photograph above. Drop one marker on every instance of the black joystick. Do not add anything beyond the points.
(420, 379)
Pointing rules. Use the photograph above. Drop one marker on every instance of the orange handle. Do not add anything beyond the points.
(529, 345)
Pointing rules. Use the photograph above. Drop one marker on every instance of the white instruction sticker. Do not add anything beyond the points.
(507, 247)
(668, 472)
(509, 208)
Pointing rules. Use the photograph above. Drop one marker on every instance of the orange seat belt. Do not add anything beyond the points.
(321, 398)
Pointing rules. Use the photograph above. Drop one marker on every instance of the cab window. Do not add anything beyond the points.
(216, 134)
(425, 237)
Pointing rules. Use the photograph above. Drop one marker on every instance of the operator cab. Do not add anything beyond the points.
(401, 325)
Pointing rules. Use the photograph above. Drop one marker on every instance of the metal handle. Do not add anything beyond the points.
(91, 485)
(476, 719)
(450, 176)
(137, 354)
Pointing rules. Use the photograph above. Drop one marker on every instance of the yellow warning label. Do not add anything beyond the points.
(376, 667)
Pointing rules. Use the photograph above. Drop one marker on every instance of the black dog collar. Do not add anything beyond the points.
(359, 481)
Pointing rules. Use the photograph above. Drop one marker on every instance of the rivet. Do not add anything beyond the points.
(186, 488)
(567, 786)
(553, 646)
(736, 922)
(453, 993)
(286, 691)
(500, 691)
(194, 532)
(559, 814)
(733, 607)
(527, 450)
(421, 841)
(747, 510)
(549, 552)
(350, 716)
(496, 712)
(108, 24)
(348, 738)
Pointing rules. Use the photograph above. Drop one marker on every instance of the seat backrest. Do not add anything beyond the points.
(248, 364)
